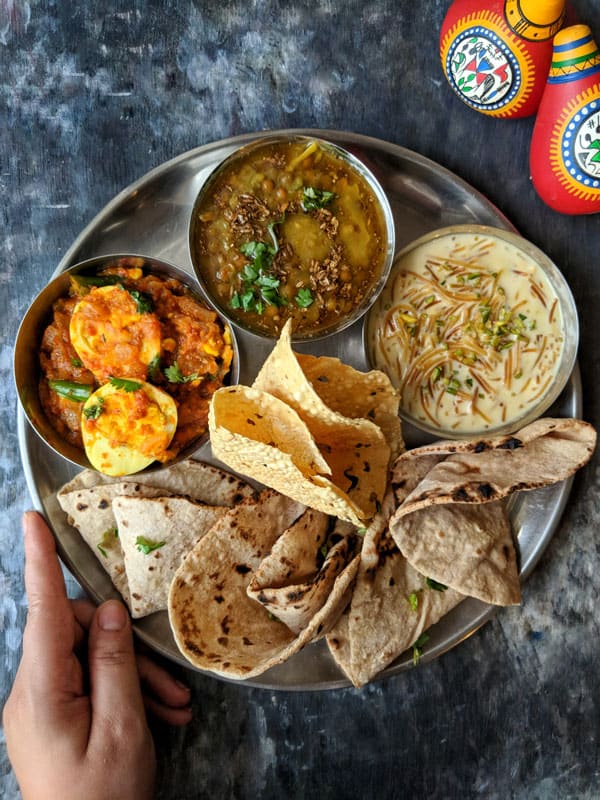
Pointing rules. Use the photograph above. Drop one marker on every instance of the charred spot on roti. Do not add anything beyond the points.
(243, 569)
(247, 641)
(486, 491)
(82, 506)
(480, 447)
(460, 495)
(223, 641)
(511, 444)
(219, 598)
(103, 503)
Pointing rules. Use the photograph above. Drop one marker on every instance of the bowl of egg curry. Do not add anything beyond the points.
(292, 227)
(476, 328)
(116, 361)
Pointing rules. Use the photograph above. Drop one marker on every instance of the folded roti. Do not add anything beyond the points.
(451, 523)
(87, 500)
(188, 478)
(216, 625)
(391, 606)
(90, 511)
(155, 535)
(296, 578)
(545, 452)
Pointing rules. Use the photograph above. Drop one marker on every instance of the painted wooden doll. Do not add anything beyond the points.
(565, 146)
(496, 53)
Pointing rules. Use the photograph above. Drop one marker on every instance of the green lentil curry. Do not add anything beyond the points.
(289, 229)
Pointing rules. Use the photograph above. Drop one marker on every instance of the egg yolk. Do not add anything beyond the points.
(113, 334)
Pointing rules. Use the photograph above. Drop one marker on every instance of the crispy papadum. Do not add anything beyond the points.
(155, 535)
(276, 431)
(216, 625)
(391, 606)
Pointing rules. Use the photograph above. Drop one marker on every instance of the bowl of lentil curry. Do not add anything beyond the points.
(124, 324)
(292, 227)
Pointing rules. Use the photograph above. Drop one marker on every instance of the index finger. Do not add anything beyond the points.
(49, 631)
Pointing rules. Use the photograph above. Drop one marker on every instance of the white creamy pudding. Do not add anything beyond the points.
(470, 329)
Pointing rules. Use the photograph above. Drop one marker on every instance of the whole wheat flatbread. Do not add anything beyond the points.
(295, 579)
(172, 525)
(87, 500)
(451, 523)
(90, 511)
(380, 622)
(479, 471)
(198, 480)
(216, 625)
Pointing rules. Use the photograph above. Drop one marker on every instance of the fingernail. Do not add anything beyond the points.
(182, 686)
(112, 616)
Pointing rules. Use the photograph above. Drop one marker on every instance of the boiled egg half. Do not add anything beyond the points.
(127, 424)
(115, 333)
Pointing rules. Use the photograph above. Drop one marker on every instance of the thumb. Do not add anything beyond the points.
(115, 691)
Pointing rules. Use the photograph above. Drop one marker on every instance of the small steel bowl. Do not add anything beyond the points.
(356, 164)
(26, 353)
(521, 248)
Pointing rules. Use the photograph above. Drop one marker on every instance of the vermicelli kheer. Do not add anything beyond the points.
(470, 331)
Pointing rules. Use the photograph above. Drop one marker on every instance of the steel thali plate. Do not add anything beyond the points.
(151, 217)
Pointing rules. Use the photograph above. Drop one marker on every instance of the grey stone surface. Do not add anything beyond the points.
(92, 96)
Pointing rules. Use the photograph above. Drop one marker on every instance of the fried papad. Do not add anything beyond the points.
(356, 395)
(335, 444)
(155, 535)
(391, 606)
(216, 625)
(295, 580)
(282, 462)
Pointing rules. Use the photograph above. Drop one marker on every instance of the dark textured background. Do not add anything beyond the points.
(92, 96)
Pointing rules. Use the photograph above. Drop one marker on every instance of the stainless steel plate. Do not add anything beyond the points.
(150, 217)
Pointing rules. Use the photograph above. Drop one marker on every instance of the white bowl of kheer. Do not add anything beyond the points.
(478, 330)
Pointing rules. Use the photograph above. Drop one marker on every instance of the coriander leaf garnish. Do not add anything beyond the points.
(143, 302)
(313, 199)
(146, 546)
(76, 362)
(154, 368)
(94, 411)
(260, 254)
(125, 384)
(418, 648)
(107, 541)
(174, 375)
(413, 600)
(304, 298)
(259, 286)
(97, 280)
(439, 587)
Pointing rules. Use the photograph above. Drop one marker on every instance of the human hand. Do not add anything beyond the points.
(75, 723)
